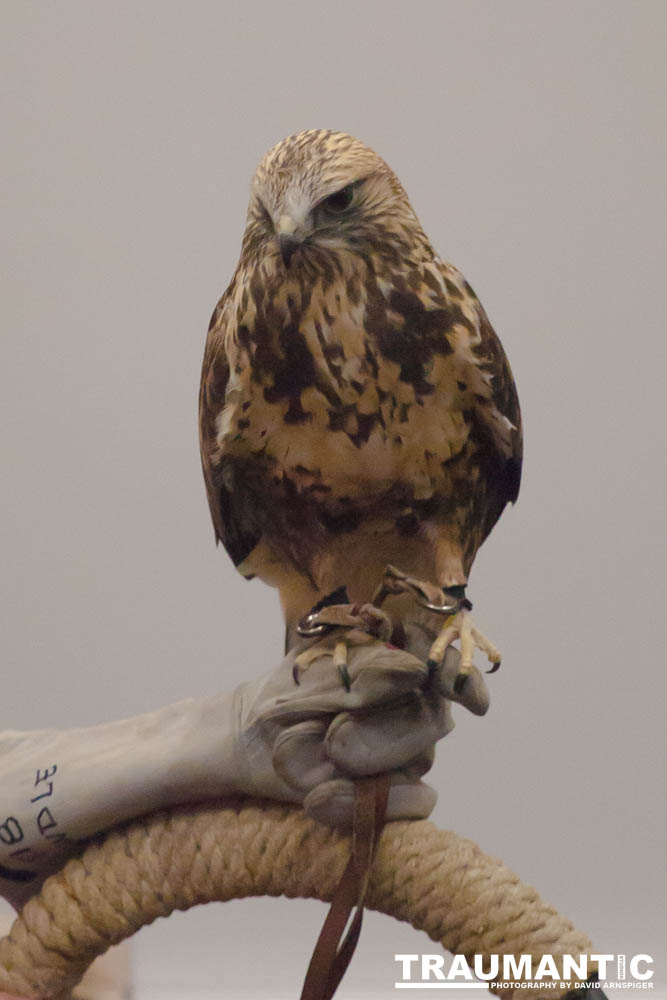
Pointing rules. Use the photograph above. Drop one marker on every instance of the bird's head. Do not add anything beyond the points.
(322, 191)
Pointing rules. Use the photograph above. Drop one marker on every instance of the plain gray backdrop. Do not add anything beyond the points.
(529, 137)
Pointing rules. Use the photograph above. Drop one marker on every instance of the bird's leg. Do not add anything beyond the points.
(459, 625)
(449, 601)
(394, 582)
(338, 627)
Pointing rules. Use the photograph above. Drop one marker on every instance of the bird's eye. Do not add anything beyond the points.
(339, 201)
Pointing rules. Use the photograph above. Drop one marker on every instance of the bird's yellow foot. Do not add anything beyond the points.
(461, 626)
(340, 627)
(449, 601)
(338, 651)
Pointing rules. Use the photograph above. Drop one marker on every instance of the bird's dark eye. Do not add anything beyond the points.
(339, 201)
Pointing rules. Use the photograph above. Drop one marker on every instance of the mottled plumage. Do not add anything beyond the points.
(356, 406)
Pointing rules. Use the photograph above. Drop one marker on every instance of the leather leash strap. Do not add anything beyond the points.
(331, 957)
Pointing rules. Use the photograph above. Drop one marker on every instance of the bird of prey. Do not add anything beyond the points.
(356, 407)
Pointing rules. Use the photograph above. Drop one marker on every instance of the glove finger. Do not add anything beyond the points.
(420, 765)
(410, 800)
(332, 803)
(470, 690)
(390, 738)
(299, 756)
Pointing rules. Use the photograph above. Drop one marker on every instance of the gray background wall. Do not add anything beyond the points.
(528, 135)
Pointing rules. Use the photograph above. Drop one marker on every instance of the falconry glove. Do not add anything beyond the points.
(270, 738)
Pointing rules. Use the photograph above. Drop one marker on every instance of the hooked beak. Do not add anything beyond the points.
(288, 241)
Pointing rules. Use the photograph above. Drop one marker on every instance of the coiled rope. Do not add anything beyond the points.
(435, 880)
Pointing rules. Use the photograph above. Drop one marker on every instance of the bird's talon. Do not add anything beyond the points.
(345, 677)
(304, 660)
(460, 626)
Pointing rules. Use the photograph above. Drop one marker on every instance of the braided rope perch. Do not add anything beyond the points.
(435, 880)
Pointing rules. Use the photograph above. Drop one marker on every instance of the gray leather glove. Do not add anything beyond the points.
(270, 738)
(308, 746)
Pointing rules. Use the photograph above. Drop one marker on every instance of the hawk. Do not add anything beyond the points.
(356, 406)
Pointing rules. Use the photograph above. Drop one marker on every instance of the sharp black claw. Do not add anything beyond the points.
(295, 674)
(345, 678)
(496, 666)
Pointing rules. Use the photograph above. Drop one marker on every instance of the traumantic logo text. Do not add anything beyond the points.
(560, 972)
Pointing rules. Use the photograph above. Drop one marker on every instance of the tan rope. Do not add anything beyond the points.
(435, 880)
